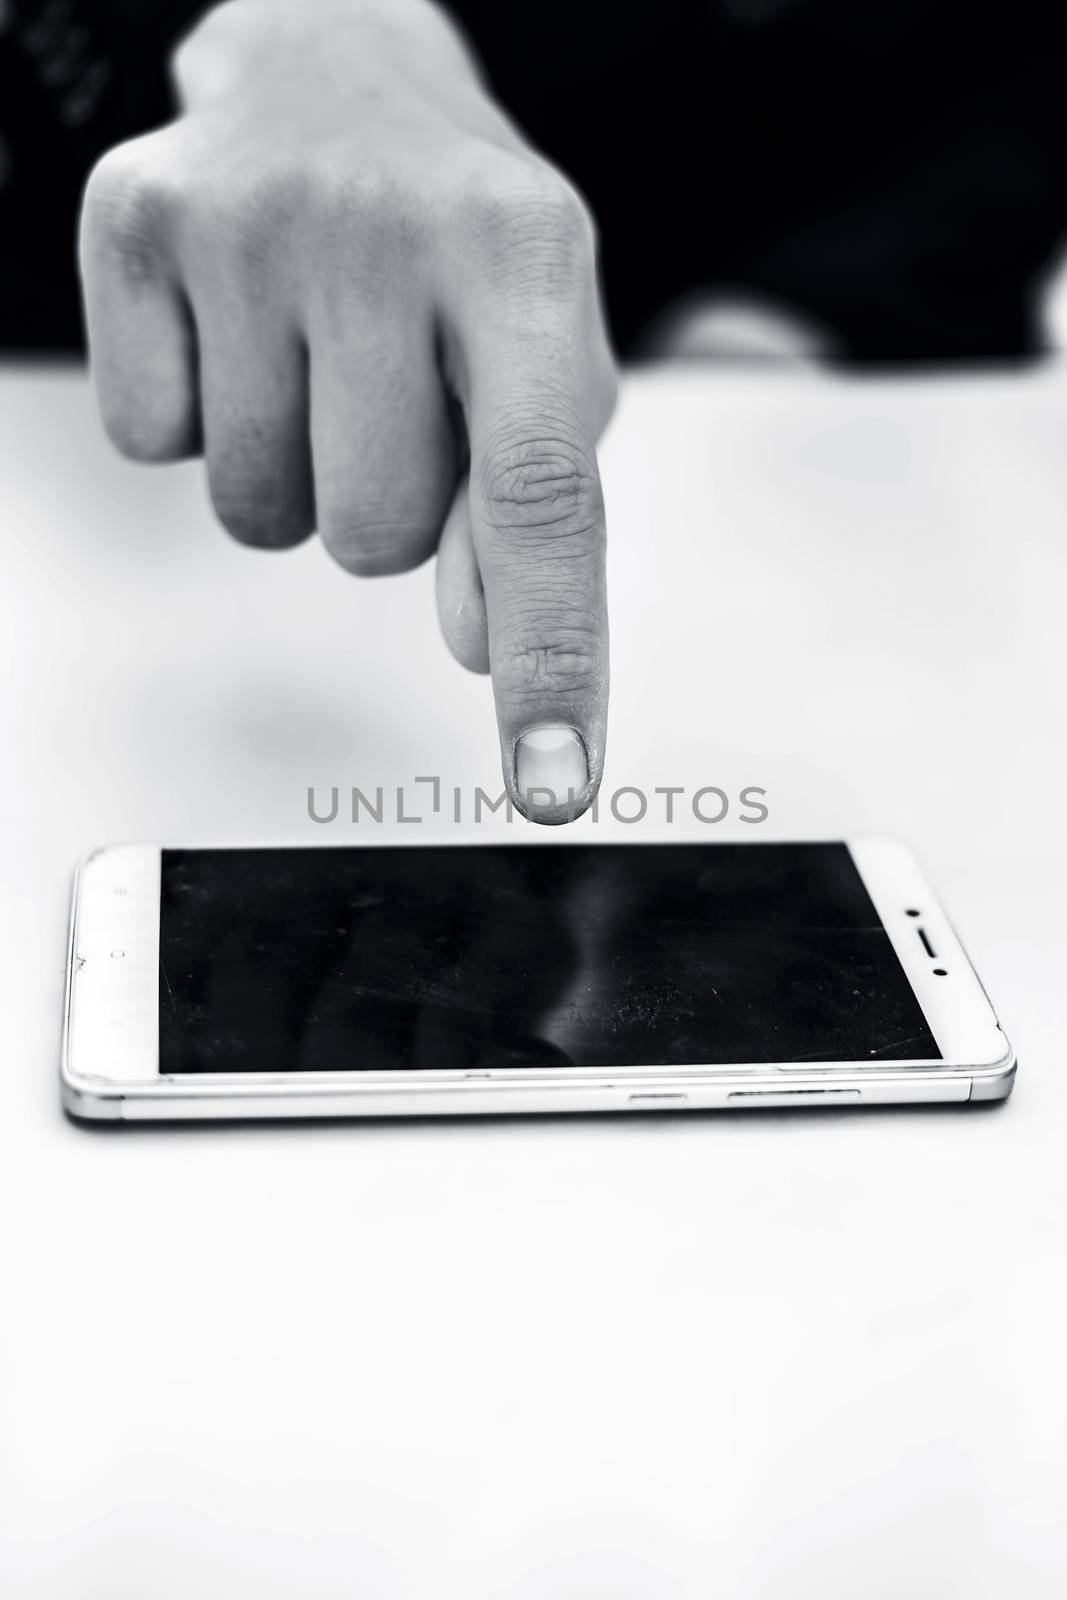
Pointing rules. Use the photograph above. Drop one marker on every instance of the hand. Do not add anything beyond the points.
(343, 276)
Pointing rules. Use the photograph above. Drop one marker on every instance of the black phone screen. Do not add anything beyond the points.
(475, 957)
(463, 958)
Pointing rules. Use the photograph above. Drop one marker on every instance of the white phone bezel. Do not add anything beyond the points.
(111, 1038)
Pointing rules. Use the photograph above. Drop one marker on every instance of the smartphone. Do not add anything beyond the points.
(396, 980)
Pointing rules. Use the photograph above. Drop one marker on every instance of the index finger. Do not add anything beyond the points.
(537, 520)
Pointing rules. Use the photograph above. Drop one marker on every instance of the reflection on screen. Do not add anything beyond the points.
(468, 958)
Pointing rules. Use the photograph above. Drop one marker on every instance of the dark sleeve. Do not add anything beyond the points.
(76, 77)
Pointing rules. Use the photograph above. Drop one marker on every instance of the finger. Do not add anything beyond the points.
(142, 341)
(537, 518)
(460, 596)
(382, 441)
(528, 354)
(254, 402)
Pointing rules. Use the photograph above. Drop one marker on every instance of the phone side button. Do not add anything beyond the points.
(792, 1097)
(653, 1099)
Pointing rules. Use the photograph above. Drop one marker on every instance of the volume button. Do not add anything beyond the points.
(793, 1097)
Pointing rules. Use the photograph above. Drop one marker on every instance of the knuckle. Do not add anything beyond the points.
(542, 488)
(526, 224)
(369, 232)
(374, 547)
(566, 218)
(216, 219)
(517, 207)
(128, 201)
(543, 658)
(248, 218)
(364, 211)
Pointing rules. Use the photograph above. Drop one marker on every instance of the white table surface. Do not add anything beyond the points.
(785, 1354)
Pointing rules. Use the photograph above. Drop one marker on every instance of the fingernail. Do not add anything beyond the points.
(551, 766)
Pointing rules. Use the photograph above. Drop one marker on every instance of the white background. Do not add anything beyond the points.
(778, 1354)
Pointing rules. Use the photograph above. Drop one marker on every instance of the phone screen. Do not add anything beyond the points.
(463, 958)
